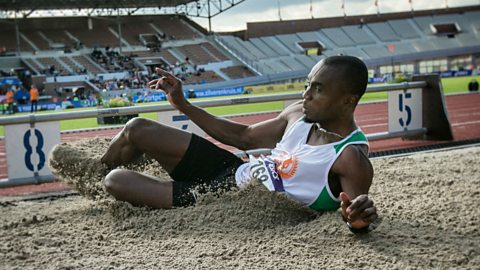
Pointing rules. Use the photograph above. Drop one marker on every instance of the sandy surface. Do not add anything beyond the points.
(428, 205)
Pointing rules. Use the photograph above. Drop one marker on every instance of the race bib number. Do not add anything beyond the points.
(264, 170)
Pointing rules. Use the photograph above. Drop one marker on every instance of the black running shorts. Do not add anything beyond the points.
(204, 167)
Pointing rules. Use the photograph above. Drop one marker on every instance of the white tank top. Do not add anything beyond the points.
(303, 168)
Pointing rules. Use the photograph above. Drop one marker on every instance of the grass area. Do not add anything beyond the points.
(450, 86)
(458, 84)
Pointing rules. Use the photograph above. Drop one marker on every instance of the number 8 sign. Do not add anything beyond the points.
(28, 147)
(404, 110)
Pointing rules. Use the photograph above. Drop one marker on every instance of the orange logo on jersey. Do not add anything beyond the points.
(287, 166)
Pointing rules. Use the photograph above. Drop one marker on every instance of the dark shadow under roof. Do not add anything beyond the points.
(11, 5)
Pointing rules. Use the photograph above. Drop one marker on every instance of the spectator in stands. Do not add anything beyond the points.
(10, 101)
(27, 74)
(33, 98)
(52, 70)
(473, 85)
(58, 91)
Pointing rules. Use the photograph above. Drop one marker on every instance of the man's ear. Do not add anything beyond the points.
(351, 100)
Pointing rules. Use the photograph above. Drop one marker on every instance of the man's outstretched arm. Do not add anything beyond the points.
(355, 173)
(261, 135)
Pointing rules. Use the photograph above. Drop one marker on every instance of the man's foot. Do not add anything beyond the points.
(79, 165)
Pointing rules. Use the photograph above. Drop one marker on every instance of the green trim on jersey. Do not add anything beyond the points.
(324, 202)
(357, 137)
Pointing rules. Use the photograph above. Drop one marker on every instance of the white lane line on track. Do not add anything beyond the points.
(465, 114)
(374, 125)
(466, 123)
(359, 119)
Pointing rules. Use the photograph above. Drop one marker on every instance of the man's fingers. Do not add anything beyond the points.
(371, 218)
(358, 201)
(152, 83)
(344, 203)
(172, 79)
(358, 206)
(344, 197)
(161, 84)
(368, 212)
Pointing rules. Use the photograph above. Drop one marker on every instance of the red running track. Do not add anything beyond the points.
(463, 111)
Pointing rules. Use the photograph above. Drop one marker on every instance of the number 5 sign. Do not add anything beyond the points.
(404, 110)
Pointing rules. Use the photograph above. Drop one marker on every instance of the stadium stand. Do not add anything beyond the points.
(467, 39)
(57, 38)
(168, 56)
(35, 38)
(305, 60)
(87, 63)
(264, 48)
(203, 53)
(275, 44)
(325, 40)
(403, 48)
(8, 41)
(236, 45)
(75, 67)
(338, 37)
(174, 27)
(268, 50)
(202, 78)
(404, 28)
(237, 72)
(315, 37)
(214, 52)
(424, 24)
(291, 42)
(131, 32)
(358, 34)
(374, 40)
(474, 20)
(53, 66)
(423, 45)
(383, 32)
(33, 65)
(376, 51)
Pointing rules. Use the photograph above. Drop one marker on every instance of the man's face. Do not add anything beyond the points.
(324, 98)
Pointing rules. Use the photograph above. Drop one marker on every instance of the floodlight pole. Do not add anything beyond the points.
(17, 34)
(209, 18)
(119, 24)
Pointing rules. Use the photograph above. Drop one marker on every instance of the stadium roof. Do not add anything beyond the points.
(11, 9)
(12, 5)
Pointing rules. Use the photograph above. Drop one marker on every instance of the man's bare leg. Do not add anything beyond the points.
(139, 189)
(165, 144)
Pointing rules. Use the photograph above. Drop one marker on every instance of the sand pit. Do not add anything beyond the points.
(429, 220)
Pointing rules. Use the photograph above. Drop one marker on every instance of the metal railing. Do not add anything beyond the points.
(36, 118)
(437, 121)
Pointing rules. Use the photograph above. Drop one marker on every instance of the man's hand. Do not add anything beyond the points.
(359, 212)
(172, 87)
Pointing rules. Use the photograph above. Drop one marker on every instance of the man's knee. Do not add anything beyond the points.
(135, 127)
(115, 181)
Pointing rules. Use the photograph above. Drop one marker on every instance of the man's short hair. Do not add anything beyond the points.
(353, 70)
